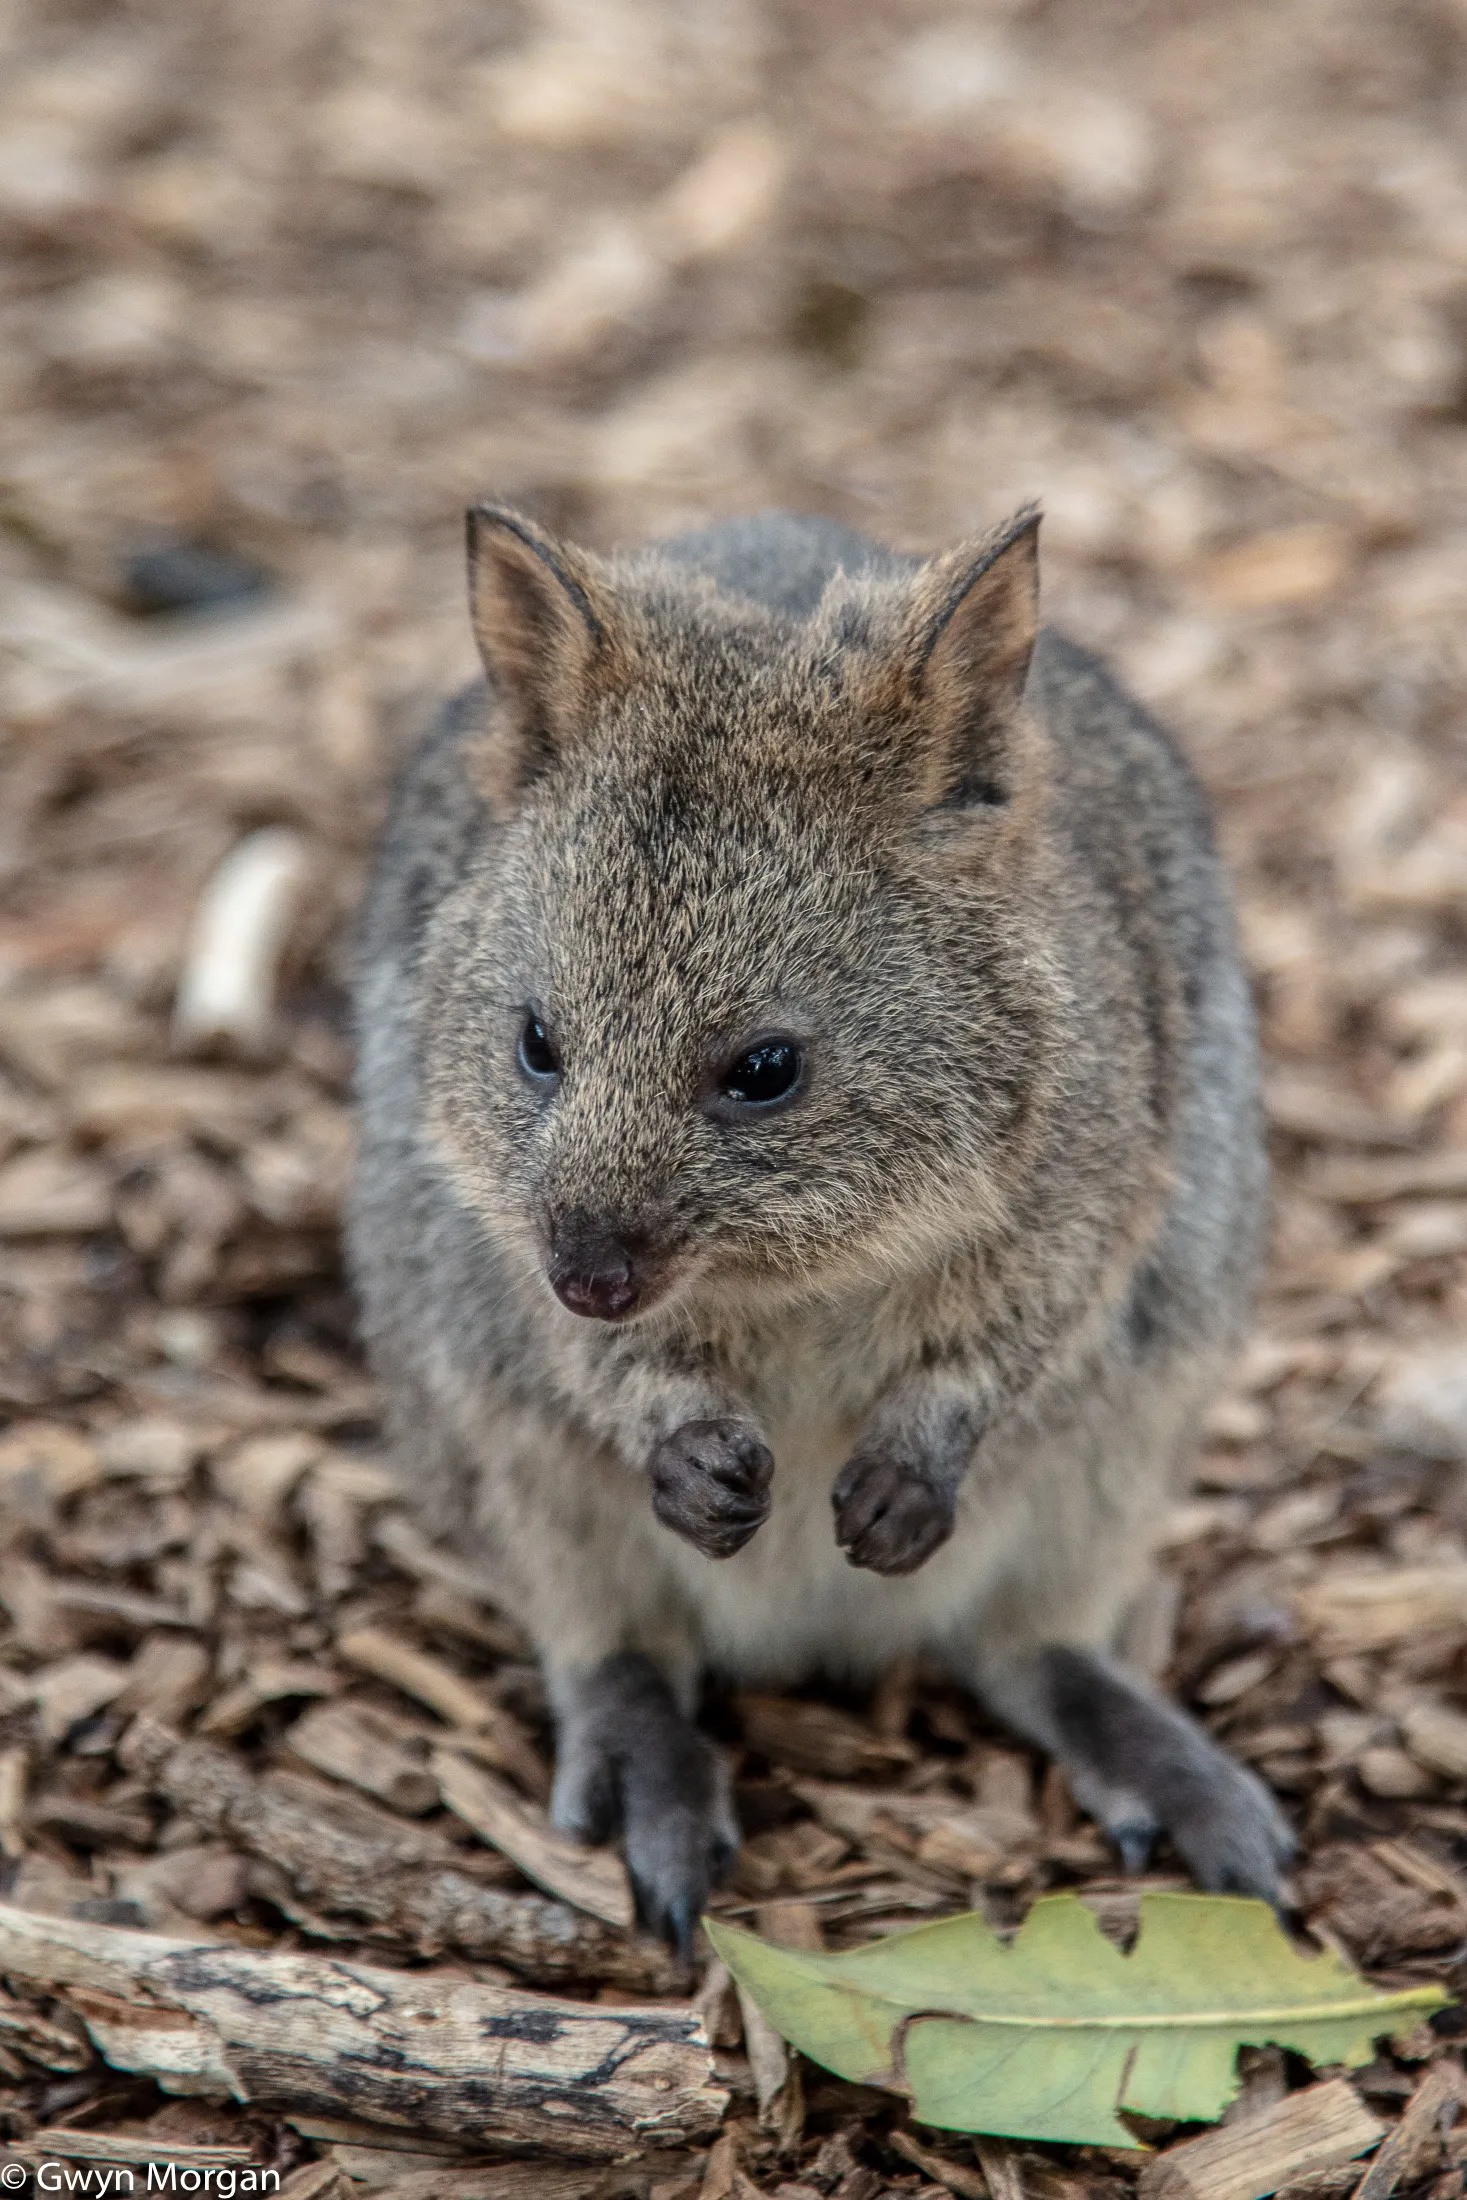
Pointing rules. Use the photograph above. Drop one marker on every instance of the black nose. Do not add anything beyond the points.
(593, 1270)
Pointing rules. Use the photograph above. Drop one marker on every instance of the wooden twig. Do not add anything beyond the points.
(967, 2184)
(769, 2056)
(412, 2050)
(347, 1743)
(347, 1870)
(1001, 2172)
(387, 1658)
(78, 655)
(315, 2181)
(14, 1773)
(594, 1880)
(54, 2046)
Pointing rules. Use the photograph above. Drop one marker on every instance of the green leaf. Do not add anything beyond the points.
(1047, 2036)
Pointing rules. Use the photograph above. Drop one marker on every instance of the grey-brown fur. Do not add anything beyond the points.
(918, 1354)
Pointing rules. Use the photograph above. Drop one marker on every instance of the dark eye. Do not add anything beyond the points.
(768, 1072)
(538, 1057)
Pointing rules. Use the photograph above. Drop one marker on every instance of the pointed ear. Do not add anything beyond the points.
(544, 622)
(970, 636)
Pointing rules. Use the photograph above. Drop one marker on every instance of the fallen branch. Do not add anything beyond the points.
(419, 2051)
(347, 1870)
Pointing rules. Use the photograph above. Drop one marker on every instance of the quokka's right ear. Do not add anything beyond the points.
(546, 627)
(971, 634)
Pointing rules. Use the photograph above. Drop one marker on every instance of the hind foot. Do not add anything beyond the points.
(628, 1762)
(1141, 1767)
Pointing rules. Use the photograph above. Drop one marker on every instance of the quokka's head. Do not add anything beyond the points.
(744, 989)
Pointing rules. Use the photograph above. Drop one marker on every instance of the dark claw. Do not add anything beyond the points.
(681, 1924)
(1134, 1841)
(673, 1862)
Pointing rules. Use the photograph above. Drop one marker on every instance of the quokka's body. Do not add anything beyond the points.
(799, 1016)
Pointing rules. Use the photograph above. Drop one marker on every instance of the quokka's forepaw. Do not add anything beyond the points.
(711, 1484)
(889, 1516)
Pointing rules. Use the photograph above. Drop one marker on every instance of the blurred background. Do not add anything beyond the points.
(283, 285)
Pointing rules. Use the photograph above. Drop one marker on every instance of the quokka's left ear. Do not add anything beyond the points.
(968, 637)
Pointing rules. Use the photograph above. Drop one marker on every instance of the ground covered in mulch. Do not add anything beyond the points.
(282, 286)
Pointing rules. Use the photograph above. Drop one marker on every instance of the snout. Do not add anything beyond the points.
(603, 1271)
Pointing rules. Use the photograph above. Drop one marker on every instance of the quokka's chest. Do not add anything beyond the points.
(814, 1375)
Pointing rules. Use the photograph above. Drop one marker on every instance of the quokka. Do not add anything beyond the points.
(811, 1173)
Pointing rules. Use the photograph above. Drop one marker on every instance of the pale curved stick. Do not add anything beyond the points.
(227, 990)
